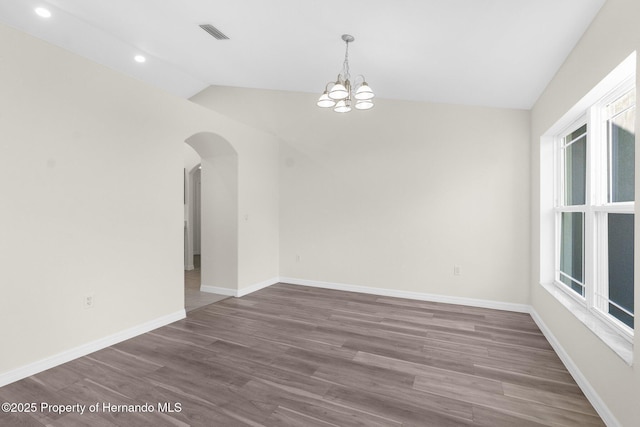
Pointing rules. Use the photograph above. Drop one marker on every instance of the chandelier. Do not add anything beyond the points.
(338, 95)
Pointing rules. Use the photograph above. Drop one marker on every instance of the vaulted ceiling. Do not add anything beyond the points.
(498, 53)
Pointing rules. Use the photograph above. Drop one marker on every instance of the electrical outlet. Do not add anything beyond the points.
(457, 270)
(88, 301)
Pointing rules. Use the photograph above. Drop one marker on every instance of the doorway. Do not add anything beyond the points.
(194, 298)
(197, 196)
(194, 219)
(211, 215)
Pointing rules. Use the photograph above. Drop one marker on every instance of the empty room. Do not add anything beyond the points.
(302, 213)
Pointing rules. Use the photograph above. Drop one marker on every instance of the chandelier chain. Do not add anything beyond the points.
(345, 64)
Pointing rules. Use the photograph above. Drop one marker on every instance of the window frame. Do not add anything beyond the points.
(560, 206)
(595, 210)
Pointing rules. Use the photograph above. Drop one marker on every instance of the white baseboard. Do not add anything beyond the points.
(90, 347)
(240, 292)
(217, 290)
(593, 397)
(190, 267)
(497, 305)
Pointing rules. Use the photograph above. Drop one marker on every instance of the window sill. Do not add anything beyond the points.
(611, 337)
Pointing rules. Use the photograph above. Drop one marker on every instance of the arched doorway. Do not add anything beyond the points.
(218, 212)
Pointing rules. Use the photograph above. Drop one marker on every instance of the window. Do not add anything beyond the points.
(594, 206)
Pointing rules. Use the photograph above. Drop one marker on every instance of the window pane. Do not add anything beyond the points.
(620, 240)
(621, 145)
(575, 162)
(581, 131)
(572, 250)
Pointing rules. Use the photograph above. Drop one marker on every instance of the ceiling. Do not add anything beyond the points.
(499, 53)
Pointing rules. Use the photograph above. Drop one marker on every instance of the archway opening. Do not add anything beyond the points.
(218, 213)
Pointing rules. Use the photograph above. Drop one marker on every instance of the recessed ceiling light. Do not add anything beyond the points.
(139, 58)
(42, 12)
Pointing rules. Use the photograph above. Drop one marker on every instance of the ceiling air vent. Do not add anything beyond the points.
(216, 33)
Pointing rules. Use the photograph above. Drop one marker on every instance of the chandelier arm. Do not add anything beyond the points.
(355, 80)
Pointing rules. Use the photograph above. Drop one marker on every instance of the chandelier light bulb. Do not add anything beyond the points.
(343, 106)
(364, 104)
(338, 91)
(364, 92)
(324, 101)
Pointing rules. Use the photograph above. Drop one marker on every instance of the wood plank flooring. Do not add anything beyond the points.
(298, 356)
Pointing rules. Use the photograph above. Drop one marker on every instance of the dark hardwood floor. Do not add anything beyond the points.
(297, 356)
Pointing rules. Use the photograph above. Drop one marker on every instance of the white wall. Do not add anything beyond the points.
(394, 197)
(91, 181)
(612, 36)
